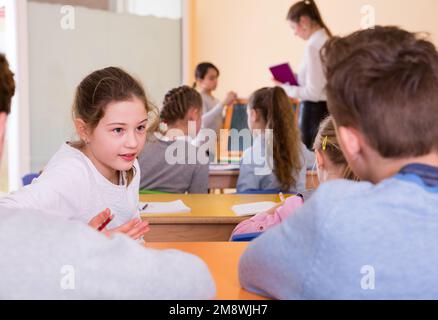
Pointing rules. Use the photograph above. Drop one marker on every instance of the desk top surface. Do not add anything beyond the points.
(222, 259)
(207, 205)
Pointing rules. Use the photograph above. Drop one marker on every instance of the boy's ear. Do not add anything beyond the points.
(82, 129)
(350, 141)
(3, 118)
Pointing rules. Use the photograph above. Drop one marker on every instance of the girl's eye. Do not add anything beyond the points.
(118, 130)
(141, 128)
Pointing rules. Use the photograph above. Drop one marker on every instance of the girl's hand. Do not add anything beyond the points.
(134, 228)
(272, 210)
(230, 98)
(100, 219)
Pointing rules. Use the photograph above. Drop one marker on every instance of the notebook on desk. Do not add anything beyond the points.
(164, 207)
(251, 209)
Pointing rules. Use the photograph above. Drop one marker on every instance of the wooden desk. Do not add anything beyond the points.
(211, 218)
(222, 259)
(228, 179)
(223, 179)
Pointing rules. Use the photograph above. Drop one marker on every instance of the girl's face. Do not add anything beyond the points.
(118, 138)
(302, 29)
(209, 83)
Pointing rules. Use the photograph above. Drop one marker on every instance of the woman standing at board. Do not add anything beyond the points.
(307, 23)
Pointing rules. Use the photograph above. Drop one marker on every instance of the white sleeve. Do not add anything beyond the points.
(291, 91)
(209, 118)
(97, 267)
(315, 79)
(59, 190)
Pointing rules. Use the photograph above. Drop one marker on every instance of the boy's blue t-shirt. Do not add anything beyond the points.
(353, 241)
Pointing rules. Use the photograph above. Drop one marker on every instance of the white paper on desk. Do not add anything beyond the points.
(164, 207)
(251, 209)
(224, 167)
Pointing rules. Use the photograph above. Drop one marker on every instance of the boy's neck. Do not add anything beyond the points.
(386, 168)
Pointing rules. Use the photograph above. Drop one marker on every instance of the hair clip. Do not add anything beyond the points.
(324, 143)
(163, 127)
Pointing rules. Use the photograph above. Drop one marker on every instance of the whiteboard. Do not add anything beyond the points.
(147, 47)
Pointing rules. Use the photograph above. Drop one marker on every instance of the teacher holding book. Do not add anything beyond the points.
(307, 23)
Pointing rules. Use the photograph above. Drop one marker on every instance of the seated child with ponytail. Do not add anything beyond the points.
(276, 160)
(170, 161)
(331, 165)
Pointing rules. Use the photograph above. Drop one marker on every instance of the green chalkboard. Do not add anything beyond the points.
(239, 122)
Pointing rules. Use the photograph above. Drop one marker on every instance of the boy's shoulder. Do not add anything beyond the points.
(340, 190)
(345, 200)
(340, 196)
(347, 190)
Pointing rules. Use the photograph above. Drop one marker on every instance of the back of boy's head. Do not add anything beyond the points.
(326, 141)
(7, 85)
(101, 88)
(178, 102)
(384, 83)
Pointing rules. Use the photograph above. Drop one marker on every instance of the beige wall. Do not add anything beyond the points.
(92, 4)
(100, 39)
(245, 37)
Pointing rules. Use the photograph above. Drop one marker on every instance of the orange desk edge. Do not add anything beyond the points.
(222, 259)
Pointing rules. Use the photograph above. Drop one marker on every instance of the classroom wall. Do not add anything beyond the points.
(92, 4)
(147, 47)
(244, 37)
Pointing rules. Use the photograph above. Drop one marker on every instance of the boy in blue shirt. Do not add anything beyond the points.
(376, 239)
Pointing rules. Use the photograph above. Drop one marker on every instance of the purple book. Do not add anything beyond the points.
(283, 73)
